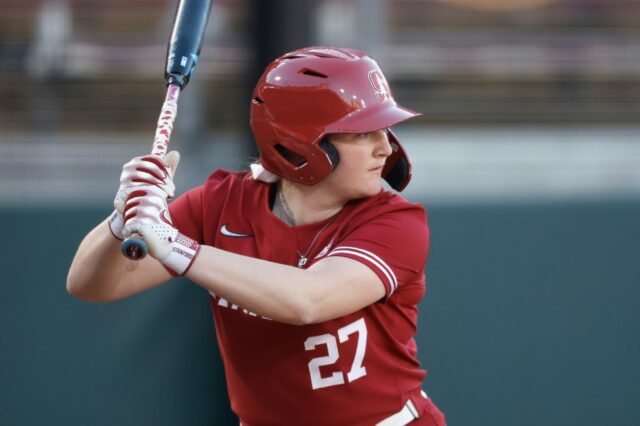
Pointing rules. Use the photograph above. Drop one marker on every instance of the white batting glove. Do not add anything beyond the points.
(146, 213)
(116, 225)
(148, 170)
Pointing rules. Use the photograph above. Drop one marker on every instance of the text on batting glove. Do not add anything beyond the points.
(146, 213)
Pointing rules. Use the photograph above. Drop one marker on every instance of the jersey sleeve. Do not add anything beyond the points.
(186, 213)
(394, 245)
(189, 210)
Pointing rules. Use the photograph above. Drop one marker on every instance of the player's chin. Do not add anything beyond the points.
(370, 187)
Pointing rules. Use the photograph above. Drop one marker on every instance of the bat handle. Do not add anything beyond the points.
(165, 121)
(134, 248)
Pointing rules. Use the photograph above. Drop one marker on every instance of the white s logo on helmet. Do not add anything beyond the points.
(380, 85)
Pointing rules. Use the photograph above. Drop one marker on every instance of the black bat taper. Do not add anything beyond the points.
(183, 52)
(186, 40)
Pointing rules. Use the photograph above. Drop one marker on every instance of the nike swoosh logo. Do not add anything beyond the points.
(225, 231)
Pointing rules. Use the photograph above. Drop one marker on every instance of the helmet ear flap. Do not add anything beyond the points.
(397, 169)
(399, 174)
(331, 151)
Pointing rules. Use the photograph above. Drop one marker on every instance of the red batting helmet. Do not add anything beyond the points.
(312, 92)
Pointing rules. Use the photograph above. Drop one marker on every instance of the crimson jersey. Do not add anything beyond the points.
(357, 369)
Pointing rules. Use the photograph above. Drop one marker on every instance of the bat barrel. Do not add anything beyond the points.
(186, 40)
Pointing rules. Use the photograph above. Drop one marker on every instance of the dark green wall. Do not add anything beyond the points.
(531, 317)
(532, 314)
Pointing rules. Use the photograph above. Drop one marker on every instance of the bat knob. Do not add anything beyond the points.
(134, 248)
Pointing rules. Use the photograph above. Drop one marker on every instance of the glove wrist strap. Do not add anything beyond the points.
(183, 252)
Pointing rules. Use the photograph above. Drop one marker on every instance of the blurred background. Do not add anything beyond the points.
(527, 158)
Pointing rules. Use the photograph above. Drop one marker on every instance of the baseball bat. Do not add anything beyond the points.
(183, 52)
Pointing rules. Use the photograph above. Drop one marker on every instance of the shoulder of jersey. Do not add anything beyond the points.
(382, 204)
(387, 201)
(218, 176)
(225, 178)
(237, 188)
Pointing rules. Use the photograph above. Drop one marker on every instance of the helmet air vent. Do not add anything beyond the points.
(295, 159)
(313, 73)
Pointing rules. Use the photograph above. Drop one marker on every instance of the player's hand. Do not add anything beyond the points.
(146, 213)
(148, 170)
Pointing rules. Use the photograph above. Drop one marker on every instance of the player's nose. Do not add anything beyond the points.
(381, 141)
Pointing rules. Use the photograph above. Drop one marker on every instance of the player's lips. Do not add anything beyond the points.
(377, 169)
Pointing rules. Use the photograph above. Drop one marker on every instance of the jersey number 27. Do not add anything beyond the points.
(337, 377)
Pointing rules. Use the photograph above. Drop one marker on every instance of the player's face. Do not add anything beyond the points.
(362, 157)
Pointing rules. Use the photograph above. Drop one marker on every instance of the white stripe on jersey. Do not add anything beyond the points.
(381, 264)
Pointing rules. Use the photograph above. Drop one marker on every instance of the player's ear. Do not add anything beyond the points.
(173, 158)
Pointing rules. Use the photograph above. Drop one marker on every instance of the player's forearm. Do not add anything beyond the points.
(279, 292)
(99, 271)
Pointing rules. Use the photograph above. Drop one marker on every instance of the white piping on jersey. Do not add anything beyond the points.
(367, 255)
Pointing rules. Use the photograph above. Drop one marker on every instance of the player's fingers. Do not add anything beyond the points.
(161, 169)
(148, 169)
(139, 172)
(172, 158)
(144, 205)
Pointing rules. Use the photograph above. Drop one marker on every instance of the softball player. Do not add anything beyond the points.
(314, 270)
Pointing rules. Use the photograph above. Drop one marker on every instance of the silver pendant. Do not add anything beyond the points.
(302, 261)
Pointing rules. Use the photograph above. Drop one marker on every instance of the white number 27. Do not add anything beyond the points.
(337, 377)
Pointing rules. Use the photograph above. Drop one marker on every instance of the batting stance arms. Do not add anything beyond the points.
(285, 293)
(99, 273)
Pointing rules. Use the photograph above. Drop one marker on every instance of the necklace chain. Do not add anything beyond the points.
(302, 258)
(287, 211)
